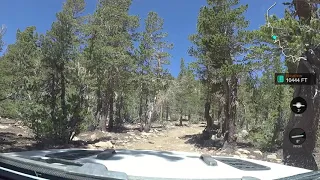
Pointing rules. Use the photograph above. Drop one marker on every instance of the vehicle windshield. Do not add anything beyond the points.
(225, 78)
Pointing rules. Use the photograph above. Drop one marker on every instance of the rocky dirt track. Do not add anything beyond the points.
(15, 137)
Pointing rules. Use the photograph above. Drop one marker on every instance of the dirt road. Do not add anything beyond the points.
(172, 140)
(15, 137)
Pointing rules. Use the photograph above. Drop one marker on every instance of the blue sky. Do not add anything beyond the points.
(180, 17)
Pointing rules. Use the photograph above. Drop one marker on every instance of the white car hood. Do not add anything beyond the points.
(182, 165)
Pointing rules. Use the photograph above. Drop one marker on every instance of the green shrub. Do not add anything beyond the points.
(9, 109)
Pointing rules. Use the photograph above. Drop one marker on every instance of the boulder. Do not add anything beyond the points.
(145, 134)
(3, 127)
(244, 133)
(104, 144)
(90, 146)
(244, 151)
(243, 156)
(272, 156)
(258, 152)
(93, 137)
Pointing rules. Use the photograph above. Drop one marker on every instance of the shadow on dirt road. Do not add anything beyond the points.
(211, 144)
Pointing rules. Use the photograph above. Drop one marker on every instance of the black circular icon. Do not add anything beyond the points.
(298, 105)
(297, 136)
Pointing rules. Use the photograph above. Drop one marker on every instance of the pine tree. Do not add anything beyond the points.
(220, 38)
(20, 71)
(60, 50)
(110, 57)
(151, 59)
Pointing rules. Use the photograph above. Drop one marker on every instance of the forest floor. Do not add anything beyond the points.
(15, 137)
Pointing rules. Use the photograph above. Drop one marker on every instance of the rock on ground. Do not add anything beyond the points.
(272, 156)
(106, 145)
(244, 151)
(258, 152)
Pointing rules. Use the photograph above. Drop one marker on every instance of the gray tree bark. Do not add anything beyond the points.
(308, 121)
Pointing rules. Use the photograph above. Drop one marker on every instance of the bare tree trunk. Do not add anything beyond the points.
(161, 112)
(226, 106)
(63, 119)
(118, 109)
(213, 114)
(141, 111)
(104, 111)
(301, 156)
(111, 111)
(121, 106)
(220, 118)
(53, 101)
(167, 112)
(230, 110)
(180, 119)
(151, 108)
(233, 111)
(98, 113)
(207, 114)
(243, 119)
(76, 117)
